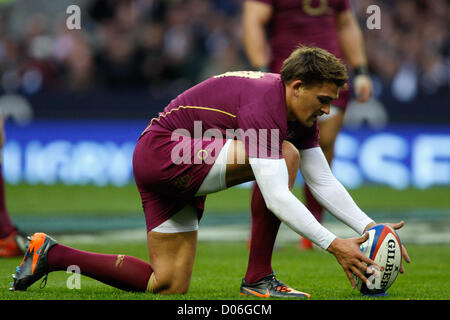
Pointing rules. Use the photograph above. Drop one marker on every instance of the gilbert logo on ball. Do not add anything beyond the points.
(385, 248)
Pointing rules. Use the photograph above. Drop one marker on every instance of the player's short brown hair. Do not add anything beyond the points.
(313, 66)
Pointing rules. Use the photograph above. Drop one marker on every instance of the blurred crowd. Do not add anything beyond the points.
(411, 50)
(123, 44)
(162, 45)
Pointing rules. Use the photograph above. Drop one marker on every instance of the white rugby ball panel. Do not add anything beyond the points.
(384, 247)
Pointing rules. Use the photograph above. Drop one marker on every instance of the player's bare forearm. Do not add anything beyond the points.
(255, 16)
(256, 46)
(352, 46)
(351, 40)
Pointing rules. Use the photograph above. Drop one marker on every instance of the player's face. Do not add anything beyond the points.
(307, 104)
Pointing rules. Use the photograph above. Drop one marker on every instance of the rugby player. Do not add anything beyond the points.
(229, 129)
(328, 24)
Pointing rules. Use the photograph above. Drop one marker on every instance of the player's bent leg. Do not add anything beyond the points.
(171, 249)
(260, 281)
(172, 256)
(238, 169)
(232, 167)
(45, 255)
(172, 246)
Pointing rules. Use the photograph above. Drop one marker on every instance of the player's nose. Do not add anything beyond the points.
(325, 109)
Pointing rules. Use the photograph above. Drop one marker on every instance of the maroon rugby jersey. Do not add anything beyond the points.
(308, 22)
(241, 100)
(237, 100)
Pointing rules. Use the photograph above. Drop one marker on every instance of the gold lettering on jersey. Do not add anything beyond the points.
(315, 11)
(242, 74)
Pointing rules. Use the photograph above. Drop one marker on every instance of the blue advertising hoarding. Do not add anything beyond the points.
(100, 152)
(397, 156)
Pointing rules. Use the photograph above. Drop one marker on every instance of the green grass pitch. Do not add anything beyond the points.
(220, 266)
(52, 200)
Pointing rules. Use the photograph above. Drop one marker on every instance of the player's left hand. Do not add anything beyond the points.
(363, 87)
(405, 255)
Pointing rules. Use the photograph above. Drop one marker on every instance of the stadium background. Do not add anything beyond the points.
(76, 100)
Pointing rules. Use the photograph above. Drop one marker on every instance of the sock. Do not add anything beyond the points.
(264, 231)
(312, 204)
(120, 271)
(6, 227)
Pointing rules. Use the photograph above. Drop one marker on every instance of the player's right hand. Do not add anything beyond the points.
(350, 257)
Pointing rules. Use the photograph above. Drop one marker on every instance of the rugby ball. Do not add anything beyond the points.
(385, 249)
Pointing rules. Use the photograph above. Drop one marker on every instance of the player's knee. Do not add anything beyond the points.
(174, 287)
(180, 288)
(171, 284)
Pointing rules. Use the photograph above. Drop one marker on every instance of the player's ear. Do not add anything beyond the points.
(296, 85)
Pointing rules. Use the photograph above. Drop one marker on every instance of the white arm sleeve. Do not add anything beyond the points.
(272, 177)
(329, 191)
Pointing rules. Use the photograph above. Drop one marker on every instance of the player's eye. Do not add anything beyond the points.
(323, 100)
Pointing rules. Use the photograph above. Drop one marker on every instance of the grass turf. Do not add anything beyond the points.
(49, 201)
(220, 266)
